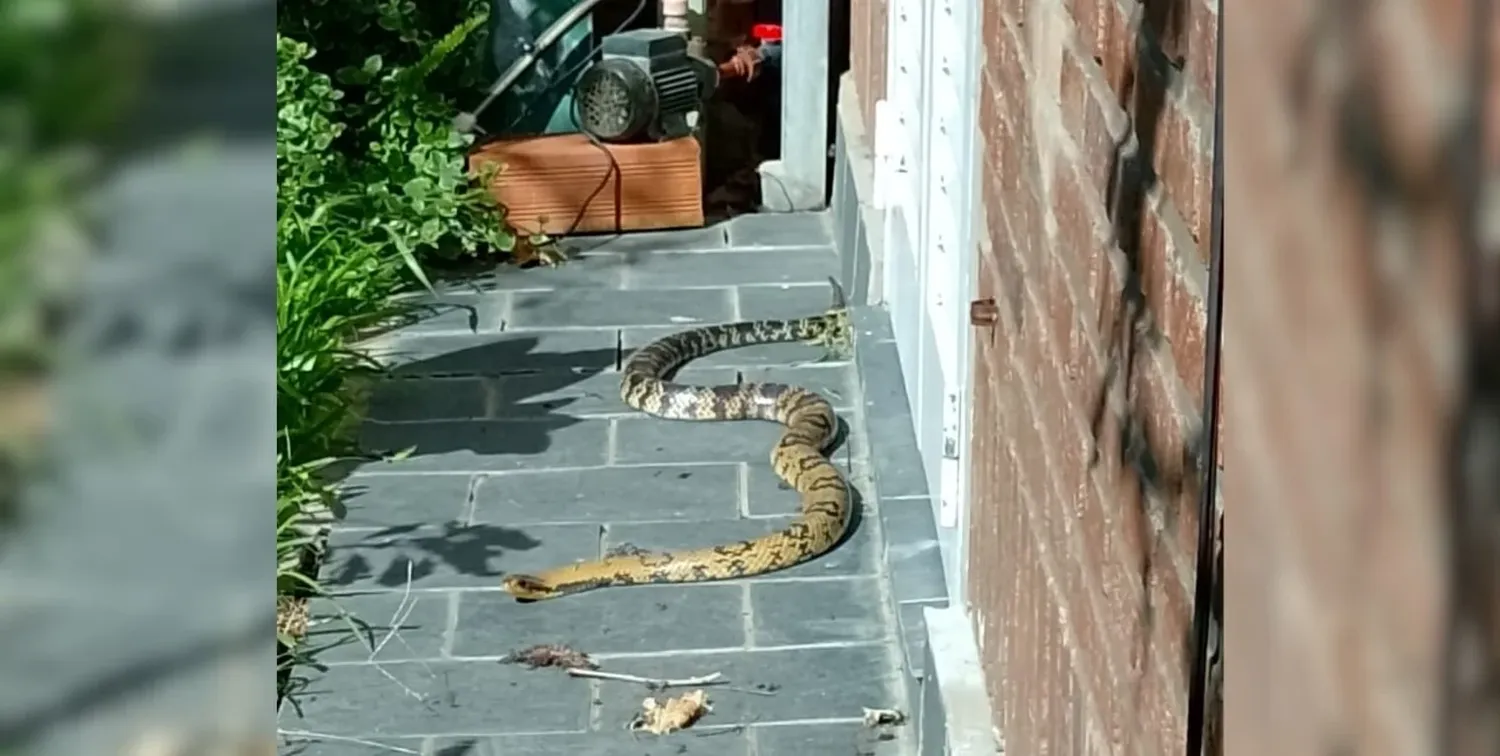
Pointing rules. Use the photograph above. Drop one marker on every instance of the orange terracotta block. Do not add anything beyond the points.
(545, 181)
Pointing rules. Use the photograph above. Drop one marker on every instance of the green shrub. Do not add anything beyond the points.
(392, 77)
(371, 185)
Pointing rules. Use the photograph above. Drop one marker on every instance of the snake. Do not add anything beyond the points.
(797, 458)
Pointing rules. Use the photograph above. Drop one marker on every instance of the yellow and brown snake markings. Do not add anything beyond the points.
(797, 458)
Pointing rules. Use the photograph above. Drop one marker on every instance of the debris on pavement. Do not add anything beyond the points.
(550, 655)
(673, 714)
(884, 718)
(650, 682)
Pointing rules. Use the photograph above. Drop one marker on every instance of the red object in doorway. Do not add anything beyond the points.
(766, 32)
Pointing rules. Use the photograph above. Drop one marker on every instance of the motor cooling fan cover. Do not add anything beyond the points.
(616, 100)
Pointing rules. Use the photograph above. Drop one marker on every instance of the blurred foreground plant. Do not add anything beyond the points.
(70, 68)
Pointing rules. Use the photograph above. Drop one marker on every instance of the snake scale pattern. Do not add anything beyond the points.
(797, 458)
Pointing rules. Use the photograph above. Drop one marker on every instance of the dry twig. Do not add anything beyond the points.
(651, 682)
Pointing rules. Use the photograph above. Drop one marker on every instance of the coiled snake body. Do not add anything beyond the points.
(797, 458)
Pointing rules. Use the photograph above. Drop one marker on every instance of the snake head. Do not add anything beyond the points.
(837, 335)
(528, 588)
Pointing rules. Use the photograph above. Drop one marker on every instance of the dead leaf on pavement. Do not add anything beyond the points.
(673, 714)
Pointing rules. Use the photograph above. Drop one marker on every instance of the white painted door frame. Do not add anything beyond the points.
(927, 177)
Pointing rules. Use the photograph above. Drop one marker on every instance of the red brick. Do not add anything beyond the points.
(1012, 10)
(1202, 56)
(1114, 44)
(1094, 121)
(1183, 161)
(1001, 270)
(1163, 721)
(1118, 544)
(1010, 152)
(1174, 295)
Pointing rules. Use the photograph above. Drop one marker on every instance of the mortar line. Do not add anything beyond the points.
(742, 484)
(735, 306)
(450, 632)
(596, 708)
(611, 434)
(599, 415)
(491, 388)
(370, 529)
(884, 642)
(747, 618)
(534, 471)
(507, 312)
(502, 313)
(471, 497)
(711, 585)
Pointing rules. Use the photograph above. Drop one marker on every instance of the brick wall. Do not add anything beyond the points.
(1095, 118)
(1338, 452)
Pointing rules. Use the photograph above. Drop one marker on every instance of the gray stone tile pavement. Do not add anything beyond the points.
(526, 458)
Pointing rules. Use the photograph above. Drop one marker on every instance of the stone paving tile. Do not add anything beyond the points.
(582, 308)
(640, 440)
(701, 740)
(911, 550)
(837, 382)
(830, 739)
(639, 243)
(760, 355)
(821, 611)
(888, 418)
(823, 682)
(784, 302)
(609, 494)
(574, 393)
(418, 399)
(394, 626)
(857, 556)
(635, 620)
(447, 446)
(780, 230)
(456, 311)
(385, 501)
(527, 459)
(496, 354)
(914, 636)
(770, 266)
(820, 739)
(448, 556)
(305, 746)
(435, 698)
(590, 270)
(871, 325)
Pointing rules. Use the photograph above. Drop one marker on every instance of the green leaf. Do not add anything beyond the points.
(418, 188)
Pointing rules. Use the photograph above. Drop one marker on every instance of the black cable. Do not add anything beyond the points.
(1204, 580)
(614, 165)
(614, 170)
